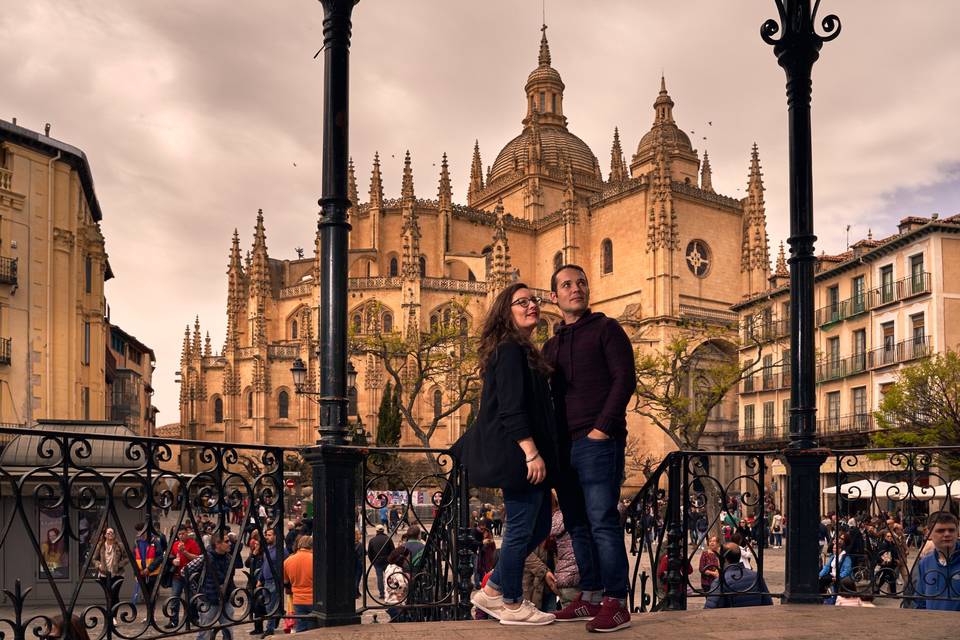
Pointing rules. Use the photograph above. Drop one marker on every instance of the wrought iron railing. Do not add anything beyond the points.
(6, 350)
(886, 502)
(853, 423)
(8, 270)
(897, 352)
(686, 500)
(913, 285)
(61, 490)
(765, 330)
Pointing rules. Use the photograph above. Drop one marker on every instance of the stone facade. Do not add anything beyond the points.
(660, 247)
(53, 265)
(882, 305)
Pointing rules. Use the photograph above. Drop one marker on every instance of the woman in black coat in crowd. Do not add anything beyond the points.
(512, 446)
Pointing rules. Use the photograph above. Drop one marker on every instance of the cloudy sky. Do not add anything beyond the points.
(196, 114)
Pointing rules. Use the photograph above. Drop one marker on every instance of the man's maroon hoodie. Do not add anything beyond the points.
(593, 375)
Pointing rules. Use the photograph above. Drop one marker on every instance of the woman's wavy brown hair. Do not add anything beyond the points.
(499, 327)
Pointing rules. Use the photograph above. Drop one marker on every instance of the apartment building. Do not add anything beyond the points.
(881, 305)
(129, 374)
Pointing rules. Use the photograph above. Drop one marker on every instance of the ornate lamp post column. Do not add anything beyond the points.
(797, 48)
(333, 467)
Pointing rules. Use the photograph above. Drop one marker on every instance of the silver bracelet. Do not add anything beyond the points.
(536, 455)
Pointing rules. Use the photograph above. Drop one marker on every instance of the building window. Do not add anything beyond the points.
(463, 326)
(886, 284)
(394, 267)
(357, 324)
(85, 402)
(86, 343)
(423, 266)
(283, 405)
(470, 276)
(250, 405)
(785, 413)
(860, 416)
(859, 350)
(293, 330)
(916, 274)
(858, 300)
(748, 419)
(116, 341)
(434, 322)
(833, 409)
(352, 402)
(218, 410)
(437, 403)
(768, 417)
(889, 342)
(768, 371)
(557, 260)
(606, 256)
(833, 353)
(543, 101)
(553, 103)
(388, 322)
(833, 301)
(88, 274)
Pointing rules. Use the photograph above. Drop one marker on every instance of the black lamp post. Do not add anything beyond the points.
(797, 48)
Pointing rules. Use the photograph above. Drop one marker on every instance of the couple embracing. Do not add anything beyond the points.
(554, 420)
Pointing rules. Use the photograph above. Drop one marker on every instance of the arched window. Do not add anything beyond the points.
(352, 402)
(293, 330)
(470, 276)
(357, 323)
(434, 322)
(218, 410)
(283, 405)
(394, 267)
(423, 266)
(388, 322)
(606, 256)
(446, 317)
(250, 404)
(437, 403)
(557, 260)
(463, 326)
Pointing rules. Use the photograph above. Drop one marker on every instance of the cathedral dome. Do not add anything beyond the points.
(559, 147)
(673, 138)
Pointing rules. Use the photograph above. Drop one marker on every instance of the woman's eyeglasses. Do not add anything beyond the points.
(525, 302)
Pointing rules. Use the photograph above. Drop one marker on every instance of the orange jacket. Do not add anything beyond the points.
(298, 571)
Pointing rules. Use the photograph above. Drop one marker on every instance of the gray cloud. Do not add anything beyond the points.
(193, 114)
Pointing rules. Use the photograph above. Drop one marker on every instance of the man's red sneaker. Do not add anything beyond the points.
(578, 610)
(612, 616)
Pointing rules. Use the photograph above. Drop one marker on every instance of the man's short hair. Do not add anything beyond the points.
(942, 517)
(553, 278)
(730, 553)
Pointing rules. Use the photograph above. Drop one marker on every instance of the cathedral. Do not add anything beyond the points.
(660, 247)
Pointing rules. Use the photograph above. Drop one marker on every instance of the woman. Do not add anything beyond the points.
(396, 578)
(837, 567)
(110, 563)
(512, 446)
(888, 562)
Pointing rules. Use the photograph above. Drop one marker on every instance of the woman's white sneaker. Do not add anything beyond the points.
(490, 605)
(525, 614)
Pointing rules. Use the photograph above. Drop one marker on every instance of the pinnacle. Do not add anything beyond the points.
(663, 85)
(406, 190)
(544, 57)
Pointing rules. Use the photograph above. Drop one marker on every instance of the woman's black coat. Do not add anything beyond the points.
(515, 404)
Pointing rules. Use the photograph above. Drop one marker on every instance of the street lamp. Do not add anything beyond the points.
(299, 372)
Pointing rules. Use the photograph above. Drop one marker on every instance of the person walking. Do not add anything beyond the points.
(298, 572)
(110, 563)
(378, 550)
(185, 550)
(512, 446)
(271, 563)
(594, 378)
(776, 530)
(148, 556)
(217, 586)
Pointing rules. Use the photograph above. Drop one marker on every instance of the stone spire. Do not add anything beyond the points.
(618, 165)
(259, 261)
(195, 349)
(186, 354)
(663, 105)
(569, 195)
(406, 189)
(376, 183)
(352, 190)
(661, 217)
(755, 251)
(207, 348)
(544, 89)
(235, 291)
(534, 145)
(706, 175)
(782, 262)
(500, 271)
(544, 58)
(444, 191)
(476, 174)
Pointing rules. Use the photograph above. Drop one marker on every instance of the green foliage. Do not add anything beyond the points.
(922, 408)
(389, 419)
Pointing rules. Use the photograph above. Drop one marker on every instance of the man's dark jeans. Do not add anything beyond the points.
(379, 569)
(529, 514)
(588, 495)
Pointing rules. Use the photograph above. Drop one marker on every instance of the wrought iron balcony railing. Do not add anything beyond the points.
(895, 353)
(6, 350)
(841, 367)
(765, 330)
(853, 423)
(842, 310)
(8, 270)
(913, 285)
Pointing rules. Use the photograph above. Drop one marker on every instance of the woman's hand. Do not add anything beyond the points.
(536, 470)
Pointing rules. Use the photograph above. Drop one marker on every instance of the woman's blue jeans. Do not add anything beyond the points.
(529, 515)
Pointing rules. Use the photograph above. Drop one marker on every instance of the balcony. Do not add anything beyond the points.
(6, 350)
(747, 385)
(6, 179)
(8, 270)
(849, 308)
(899, 290)
(903, 351)
(764, 433)
(853, 423)
(766, 330)
(841, 367)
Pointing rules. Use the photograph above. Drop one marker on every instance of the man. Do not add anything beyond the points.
(938, 573)
(185, 550)
(148, 557)
(378, 550)
(413, 542)
(298, 572)
(217, 585)
(594, 379)
(271, 568)
(745, 587)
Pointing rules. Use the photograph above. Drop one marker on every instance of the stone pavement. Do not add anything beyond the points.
(792, 622)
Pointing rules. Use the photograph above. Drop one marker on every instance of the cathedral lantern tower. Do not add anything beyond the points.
(529, 173)
(667, 137)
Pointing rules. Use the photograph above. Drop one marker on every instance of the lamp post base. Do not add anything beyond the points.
(803, 518)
